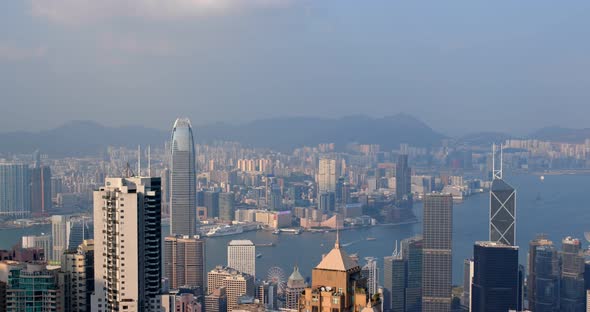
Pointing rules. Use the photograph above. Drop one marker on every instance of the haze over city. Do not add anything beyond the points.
(460, 66)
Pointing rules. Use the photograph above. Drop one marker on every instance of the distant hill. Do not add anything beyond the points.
(79, 138)
(484, 138)
(560, 134)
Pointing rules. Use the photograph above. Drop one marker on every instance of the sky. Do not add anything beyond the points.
(461, 66)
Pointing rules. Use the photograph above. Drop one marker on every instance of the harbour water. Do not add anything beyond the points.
(557, 207)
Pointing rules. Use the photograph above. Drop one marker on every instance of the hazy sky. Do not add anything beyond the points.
(460, 65)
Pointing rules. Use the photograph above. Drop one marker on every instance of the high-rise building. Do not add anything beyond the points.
(267, 294)
(77, 277)
(241, 256)
(227, 206)
(237, 284)
(327, 202)
(183, 185)
(403, 178)
(30, 287)
(437, 253)
(327, 175)
(165, 175)
(543, 256)
(15, 189)
(495, 286)
(467, 284)
(394, 283)
(412, 253)
(211, 202)
(78, 231)
(127, 244)
(572, 294)
(40, 190)
(337, 286)
(502, 207)
(371, 272)
(216, 301)
(42, 242)
(59, 236)
(181, 300)
(184, 262)
(295, 286)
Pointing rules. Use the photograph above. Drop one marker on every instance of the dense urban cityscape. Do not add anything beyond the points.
(128, 229)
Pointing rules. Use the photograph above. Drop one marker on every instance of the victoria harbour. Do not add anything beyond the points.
(557, 200)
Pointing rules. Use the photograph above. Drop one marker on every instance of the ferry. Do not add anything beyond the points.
(259, 255)
(371, 238)
(224, 231)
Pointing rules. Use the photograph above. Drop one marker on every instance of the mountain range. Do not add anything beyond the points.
(82, 138)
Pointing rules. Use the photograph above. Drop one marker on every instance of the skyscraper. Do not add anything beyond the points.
(184, 262)
(216, 301)
(412, 253)
(295, 286)
(394, 283)
(30, 287)
(59, 236)
(502, 207)
(211, 201)
(403, 178)
(495, 286)
(183, 187)
(77, 282)
(40, 190)
(15, 189)
(572, 297)
(127, 242)
(227, 206)
(544, 263)
(467, 283)
(371, 273)
(327, 175)
(235, 283)
(241, 256)
(165, 175)
(437, 253)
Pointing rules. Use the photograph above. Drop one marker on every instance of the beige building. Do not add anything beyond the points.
(337, 286)
(327, 175)
(184, 261)
(295, 286)
(76, 277)
(127, 242)
(236, 284)
(216, 301)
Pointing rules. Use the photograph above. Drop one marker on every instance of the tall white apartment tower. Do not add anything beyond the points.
(127, 244)
(241, 256)
(327, 175)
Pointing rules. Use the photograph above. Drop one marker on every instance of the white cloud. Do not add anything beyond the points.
(85, 11)
(13, 53)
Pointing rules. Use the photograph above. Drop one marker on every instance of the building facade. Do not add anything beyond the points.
(502, 212)
(437, 253)
(15, 190)
(127, 241)
(572, 294)
(184, 262)
(295, 286)
(241, 256)
(183, 184)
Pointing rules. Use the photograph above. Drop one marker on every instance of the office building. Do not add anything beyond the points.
(394, 283)
(502, 206)
(371, 272)
(227, 206)
(327, 202)
(40, 190)
(241, 256)
(183, 184)
(77, 277)
(267, 294)
(78, 231)
(15, 190)
(181, 300)
(572, 294)
(41, 242)
(412, 254)
(327, 175)
(211, 202)
(216, 301)
(295, 286)
(337, 286)
(127, 244)
(236, 284)
(184, 262)
(543, 275)
(403, 178)
(437, 253)
(495, 286)
(59, 236)
(467, 284)
(165, 176)
(30, 287)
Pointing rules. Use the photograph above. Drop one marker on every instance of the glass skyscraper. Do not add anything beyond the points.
(183, 186)
(502, 213)
(15, 189)
(495, 285)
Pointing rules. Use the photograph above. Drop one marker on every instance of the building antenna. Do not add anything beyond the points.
(139, 160)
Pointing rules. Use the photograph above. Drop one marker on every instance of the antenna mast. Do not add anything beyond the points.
(149, 160)
(139, 160)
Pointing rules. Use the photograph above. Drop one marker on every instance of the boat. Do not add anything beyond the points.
(371, 238)
(542, 178)
(276, 232)
(258, 255)
(224, 231)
